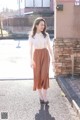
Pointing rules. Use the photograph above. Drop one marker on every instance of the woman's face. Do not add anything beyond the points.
(41, 26)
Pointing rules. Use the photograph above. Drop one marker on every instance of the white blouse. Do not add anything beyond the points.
(39, 41)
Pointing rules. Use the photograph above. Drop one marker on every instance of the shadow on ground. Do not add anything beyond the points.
(44, 113)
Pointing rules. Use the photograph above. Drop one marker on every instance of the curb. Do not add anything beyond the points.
(16, 36)
(70, 94)
(14, 79)
(76, 107)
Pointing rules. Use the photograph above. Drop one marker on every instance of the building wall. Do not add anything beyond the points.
(67, 38)
(24, 24)
(26, 21)
(37, 9)
(67, 24)
(39, 5)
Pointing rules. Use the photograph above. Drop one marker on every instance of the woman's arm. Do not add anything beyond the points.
(31, 51)
(31, 54)
(49, 48)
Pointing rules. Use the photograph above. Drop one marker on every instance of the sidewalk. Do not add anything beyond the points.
(19, 102)
(71, 88)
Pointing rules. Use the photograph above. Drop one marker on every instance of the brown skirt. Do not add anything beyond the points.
(41, 70)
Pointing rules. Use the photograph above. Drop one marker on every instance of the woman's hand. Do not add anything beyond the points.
(52, 60)
(33, 64)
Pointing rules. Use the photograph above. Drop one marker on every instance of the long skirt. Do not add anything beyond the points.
(41, 70)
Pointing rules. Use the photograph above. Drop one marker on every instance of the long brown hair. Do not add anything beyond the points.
(34, 29)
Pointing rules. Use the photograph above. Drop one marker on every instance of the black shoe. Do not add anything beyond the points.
(41, 101)
(46, 102)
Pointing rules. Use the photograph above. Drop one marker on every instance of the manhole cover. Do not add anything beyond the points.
(4, 115)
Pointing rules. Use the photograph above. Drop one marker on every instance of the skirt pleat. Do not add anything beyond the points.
(41, 70)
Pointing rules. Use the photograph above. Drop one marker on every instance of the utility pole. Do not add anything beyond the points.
(42, 3)
(25, 4)
(33, 3)
(19, 2)
(19, 6)
(1, 25)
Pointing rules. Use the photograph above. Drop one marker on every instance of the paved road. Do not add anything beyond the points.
(21, 103)
(15, 62)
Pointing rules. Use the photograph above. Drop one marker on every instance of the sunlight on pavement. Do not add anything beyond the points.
(15, 62)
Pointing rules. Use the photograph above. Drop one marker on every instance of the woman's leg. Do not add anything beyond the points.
(45, 95)
(40, 94)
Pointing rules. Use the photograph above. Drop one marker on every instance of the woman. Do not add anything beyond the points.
(40, 59)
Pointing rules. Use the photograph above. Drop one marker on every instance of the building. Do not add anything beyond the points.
(22, 23)
(39, 6)
(67, 37)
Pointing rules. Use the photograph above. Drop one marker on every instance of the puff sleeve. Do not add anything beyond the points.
(30, 40)
(48, 39)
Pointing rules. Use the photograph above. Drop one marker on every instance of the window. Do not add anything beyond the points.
(77, 2)
(29, 3)
(46, 3)
(38, 3)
